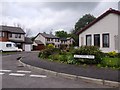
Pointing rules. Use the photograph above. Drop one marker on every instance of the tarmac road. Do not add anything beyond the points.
(15, 76)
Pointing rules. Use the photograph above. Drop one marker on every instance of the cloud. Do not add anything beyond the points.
(49, 16)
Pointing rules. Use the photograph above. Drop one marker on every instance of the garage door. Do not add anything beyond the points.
(39, 47)
(27, 47)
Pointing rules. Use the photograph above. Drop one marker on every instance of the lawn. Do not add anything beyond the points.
(111, 62)
(7, 52)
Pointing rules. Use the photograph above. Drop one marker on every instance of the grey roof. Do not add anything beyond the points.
(17, 41)
(63, 39)
(38, 42)
(28, 40)
(48, 35)
(11, 29)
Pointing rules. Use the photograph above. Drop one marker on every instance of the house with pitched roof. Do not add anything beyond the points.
(43, 39)
(66, 41)
(12, 34)
(103, 32)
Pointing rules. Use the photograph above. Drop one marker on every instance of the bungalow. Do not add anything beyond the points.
(103, 32)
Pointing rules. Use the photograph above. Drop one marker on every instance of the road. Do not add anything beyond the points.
(15, 76)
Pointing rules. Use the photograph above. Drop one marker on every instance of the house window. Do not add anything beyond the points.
(65, 42)
(51, 39)
(62, 41)
(105, 40)
(88, 40)
(10, 34)
(56, 40)
(19, 35)
(97, 40)
(8, 45)
(48, 39)
(2, 34)
(16, 35)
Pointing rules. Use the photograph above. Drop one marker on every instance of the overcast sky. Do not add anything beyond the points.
(50, 16)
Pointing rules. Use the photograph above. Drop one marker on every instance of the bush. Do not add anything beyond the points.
(70, 59)
(55, 57)
(50, 46)
(112, 54)
(47, 52)
(118, 55)
(62, 58)
(89, 50)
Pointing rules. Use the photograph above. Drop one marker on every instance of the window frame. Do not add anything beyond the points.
(19, 35)
(7, 45)
(10, 35)
(16, 35)
(2, 34)
(90, 40)
(48, 39)
(95, 40)
(103, 35)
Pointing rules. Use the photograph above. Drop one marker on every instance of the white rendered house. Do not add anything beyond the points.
(103, 32)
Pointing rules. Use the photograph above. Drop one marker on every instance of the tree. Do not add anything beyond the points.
(82, 22)
(75, 37)
(61, 34)
(28, 32)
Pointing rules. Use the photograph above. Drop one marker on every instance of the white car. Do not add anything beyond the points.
(8, 46)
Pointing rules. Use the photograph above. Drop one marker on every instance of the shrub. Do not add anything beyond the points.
(118, 55)
(50, 46)
(89, 50)
(112, 54)
(63, 47)
(55, 56)
(47, 52)
(62, 58)
(70, 59)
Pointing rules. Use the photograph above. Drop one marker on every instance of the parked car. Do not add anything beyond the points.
(9, 46)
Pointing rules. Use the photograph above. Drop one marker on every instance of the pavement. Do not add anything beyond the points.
(32, 59)
(12, 75)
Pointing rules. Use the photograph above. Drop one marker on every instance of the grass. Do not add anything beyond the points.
(7, 52)
(111, 62)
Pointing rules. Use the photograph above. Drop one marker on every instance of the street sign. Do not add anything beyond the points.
(85, 56)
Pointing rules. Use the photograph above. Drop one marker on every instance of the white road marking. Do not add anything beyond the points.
(2, 73)
(16, 74)
(22, 71)
(42, 76)
(5, 70)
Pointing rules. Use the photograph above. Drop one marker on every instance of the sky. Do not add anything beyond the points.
(50, 15)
